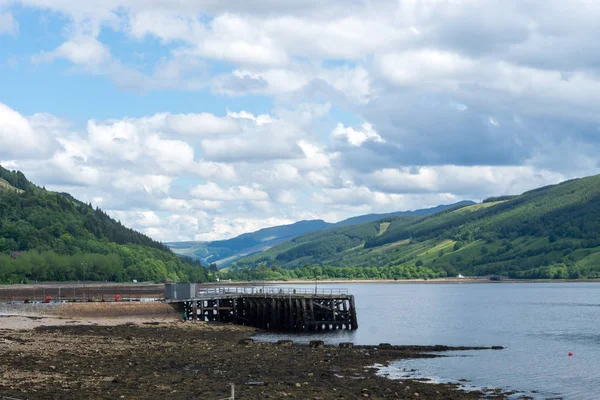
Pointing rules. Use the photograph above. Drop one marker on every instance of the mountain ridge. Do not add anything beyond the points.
(548, 232)
(225, 252)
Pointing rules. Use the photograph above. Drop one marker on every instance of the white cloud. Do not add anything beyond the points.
(8, 24)
(17, 135)
(378, 106)
(355, 137)
(143, 184)
(286, 197)
(481, 181)
(148, 219)
(212, 191)
(259, 119)
(425, 67)
(81, 50)
(200, 124)
(262, 138)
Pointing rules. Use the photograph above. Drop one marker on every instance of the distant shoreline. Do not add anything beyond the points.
(399, 281)
(158, 286)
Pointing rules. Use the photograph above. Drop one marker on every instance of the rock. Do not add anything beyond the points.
(416, 394)
(246, 341)
(285, 343)
(317, 344)
(298, 385)
(311, 374)
(52, 367)
(346, 345)
(497, 348)
(385, 345)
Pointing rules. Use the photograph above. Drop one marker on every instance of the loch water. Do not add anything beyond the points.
(538, 323)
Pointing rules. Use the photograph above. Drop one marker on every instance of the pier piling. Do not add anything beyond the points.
(273, 308)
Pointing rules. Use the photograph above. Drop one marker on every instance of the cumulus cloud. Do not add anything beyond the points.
(355, 137)
(356, 107)
(18, 136)
(81, 50)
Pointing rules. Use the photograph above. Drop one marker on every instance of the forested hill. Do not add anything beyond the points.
(52, 236)
(225, 252)
(551, 232)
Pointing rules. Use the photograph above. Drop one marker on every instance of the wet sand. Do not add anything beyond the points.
(158, 356)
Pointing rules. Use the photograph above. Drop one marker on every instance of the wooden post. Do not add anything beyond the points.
(354, 321)
(304, 316)
(312, 315)
(273, 313)
(346, 314)
(298, 315)
(291, 315)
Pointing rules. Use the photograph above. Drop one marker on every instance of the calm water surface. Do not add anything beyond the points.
(538, 323)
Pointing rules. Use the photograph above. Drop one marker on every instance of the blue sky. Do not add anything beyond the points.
(201, 119)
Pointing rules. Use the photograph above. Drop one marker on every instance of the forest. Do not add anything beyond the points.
(551, 232)
(52, 236)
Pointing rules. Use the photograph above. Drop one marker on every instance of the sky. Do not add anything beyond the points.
(204, 119)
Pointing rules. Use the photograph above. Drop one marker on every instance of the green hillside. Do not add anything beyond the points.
(551, 232)
(52, 236)
(225, 252)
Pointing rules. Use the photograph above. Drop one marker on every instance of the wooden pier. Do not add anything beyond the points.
(299, 310)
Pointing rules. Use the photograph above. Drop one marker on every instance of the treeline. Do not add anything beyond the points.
(499, 198)
(555, 271)
(330, 272)
(16, 179)
(122, 264)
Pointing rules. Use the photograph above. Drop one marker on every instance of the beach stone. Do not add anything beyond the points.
(346, 345)
(317, 344)
(246, 341)
(285, 343)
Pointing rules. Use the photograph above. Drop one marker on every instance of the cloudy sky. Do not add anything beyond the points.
(203, 119)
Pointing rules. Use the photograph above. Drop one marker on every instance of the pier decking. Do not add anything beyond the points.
(284, 309)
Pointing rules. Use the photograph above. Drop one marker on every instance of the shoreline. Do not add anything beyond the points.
(161, 356)
(468, 280)
(159, 287)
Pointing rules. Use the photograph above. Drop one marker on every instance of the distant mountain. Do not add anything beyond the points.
(416, 213)
(225, 252)
(550, 232)
(52, 236)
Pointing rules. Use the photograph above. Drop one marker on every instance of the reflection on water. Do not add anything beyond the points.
(539, 324)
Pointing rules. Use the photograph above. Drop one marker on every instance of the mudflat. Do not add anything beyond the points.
(162, 357)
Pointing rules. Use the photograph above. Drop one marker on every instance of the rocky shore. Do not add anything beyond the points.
(150, 358)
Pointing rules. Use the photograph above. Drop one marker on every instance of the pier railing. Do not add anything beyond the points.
(270, 290)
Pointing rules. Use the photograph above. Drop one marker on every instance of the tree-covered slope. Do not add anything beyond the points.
(225, 252)
(52, 236)
(551, 232)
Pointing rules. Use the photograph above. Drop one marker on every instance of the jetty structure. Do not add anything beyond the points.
(269, 308)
